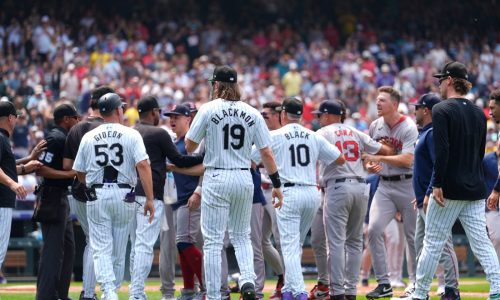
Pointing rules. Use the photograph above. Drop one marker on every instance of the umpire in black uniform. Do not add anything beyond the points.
(52, 211)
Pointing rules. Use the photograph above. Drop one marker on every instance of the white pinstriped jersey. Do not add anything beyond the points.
(402, 136)
(229, 128)
(351, 142)
(297, 150)
(110, 144)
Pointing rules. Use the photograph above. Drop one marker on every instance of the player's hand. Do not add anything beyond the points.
(194, 201)
(371, 158)
(492, 201)
(19, 190)
(426, 203)
(277, 194)
(437, 194)
(414, 202)
(32, 166)
(372, 167)
(149, 207)
(171, 168)
(39, 148)
(387, 142)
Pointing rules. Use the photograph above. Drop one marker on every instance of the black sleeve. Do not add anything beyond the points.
(182, 161)
(441, 144)
(71, 145)
(2, 146)
(53, 147)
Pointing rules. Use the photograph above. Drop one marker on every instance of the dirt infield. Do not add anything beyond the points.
(31, 288)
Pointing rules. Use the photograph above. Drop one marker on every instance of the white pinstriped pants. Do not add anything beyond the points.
(143, 236)
(300, 204)
(226, 203)
(5, 225)
(80, 210)
(109, 220)
(438, 223)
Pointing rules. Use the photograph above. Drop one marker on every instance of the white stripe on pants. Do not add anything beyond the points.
(79, 208)
(295, 217)
(5, 225)
(439, 222)
(109, 220)
(143, 236)
(226, 202)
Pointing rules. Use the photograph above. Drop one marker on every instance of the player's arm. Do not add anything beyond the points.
(13, 186)
(144, 171)
(175, 156)
(37, 150)
(46, 158)
(81, 177)
(493, 198)
(197, 170)
(442, 151)
(197, 130)
(404, 160)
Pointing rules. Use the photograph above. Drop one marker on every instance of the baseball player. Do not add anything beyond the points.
(458, 190)
(186, 213)
(77, 199)
(229, 127)
(422, 173)
(144, 234)
(9, 169)
(346, 198)
(394, 192)
(271, 254)
(493, 216)
(106, 163)
(297, 149)
(58, 251)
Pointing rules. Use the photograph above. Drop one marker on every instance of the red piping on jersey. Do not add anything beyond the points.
(401, 120)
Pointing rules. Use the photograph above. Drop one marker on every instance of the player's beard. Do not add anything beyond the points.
(443, 93)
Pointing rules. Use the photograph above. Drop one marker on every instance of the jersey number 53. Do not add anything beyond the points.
(102, 157)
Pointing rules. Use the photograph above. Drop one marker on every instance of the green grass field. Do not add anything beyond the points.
(471, 289)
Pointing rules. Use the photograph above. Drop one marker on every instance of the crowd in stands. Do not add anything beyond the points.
(315, 50)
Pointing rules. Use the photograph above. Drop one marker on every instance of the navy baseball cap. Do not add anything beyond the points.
(453, 69)
(109, 102)
(64, 110)
(224, 74)
(147, 103)
(180, 110)
(332, 107)
(291, 105)
(427, 100)
(7, 108)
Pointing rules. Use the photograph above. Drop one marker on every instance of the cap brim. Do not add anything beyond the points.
(439, 75)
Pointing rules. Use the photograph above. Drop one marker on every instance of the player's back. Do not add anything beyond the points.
(115, 145)
(352, 143)
(231, 129)
(297, 150)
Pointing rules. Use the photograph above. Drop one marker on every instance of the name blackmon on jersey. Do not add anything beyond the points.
(233, 112)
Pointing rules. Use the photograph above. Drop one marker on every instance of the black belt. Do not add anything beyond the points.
(289, 184)
(358, 179)
(120, 185)
(397, 177)
(244, 169)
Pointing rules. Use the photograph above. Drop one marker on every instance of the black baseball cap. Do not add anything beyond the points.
(64, 110)
(180, 110)
(110, 101)
(7, 108)
(292, 105)
(427, 100)
(147, 103)
(453, 69)
(224, 74)
(332, 107)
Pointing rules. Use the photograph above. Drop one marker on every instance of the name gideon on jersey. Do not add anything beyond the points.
(230, 112)
(107, 134)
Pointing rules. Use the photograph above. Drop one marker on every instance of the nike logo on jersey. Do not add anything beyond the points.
(336, 187)
(215, 175)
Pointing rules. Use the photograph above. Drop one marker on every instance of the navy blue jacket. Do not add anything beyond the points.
(490, 166)
(185, 184)
(423, 165)
(258, 195)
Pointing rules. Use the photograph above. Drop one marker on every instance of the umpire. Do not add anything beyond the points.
(77, 201)
(52, 211)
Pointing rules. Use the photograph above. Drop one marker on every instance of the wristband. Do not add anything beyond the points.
(196, 193)
(197, 190)
(23, 170)
(497, 185)
(275, 179)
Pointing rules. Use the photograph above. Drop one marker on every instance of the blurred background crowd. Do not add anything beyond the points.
(54, 51)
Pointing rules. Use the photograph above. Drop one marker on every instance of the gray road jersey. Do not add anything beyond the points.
(351, 142)
(402, 136)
